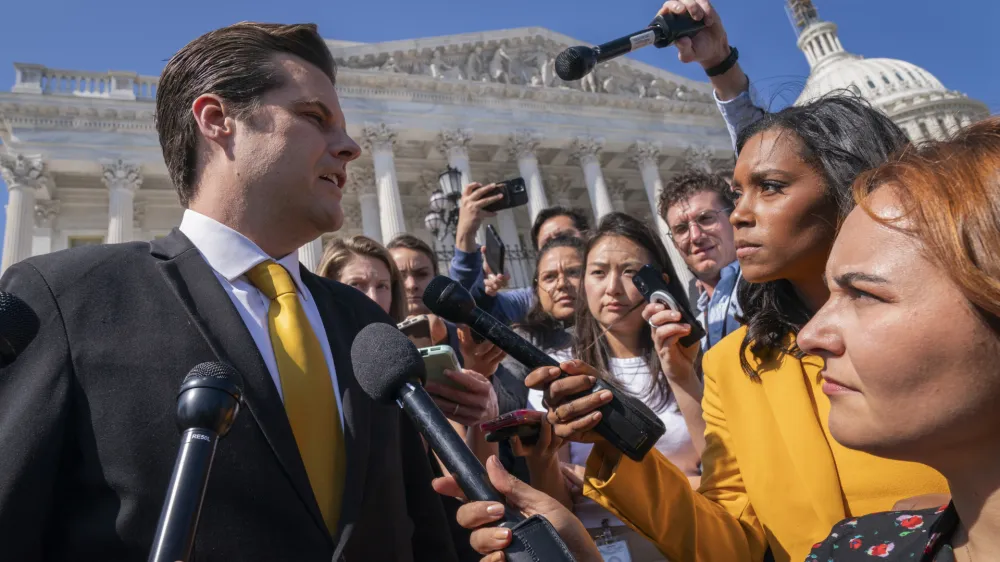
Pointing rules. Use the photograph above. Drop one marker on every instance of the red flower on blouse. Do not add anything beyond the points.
(855, 543)
(881, 550)
(911, 521)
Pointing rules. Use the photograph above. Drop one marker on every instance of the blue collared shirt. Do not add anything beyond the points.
(718, 313)
(740, 112)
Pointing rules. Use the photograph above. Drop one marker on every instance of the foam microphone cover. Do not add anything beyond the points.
(448, 299)
(18, 326)
(384, 359)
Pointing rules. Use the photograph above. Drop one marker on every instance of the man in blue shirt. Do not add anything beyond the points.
(696, 207)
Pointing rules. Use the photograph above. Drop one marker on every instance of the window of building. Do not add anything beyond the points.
(900, 76)
(924, 130)
(886, 79)
(871, 84)
(75, 241)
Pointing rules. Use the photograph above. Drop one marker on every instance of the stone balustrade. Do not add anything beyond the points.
(38, 79)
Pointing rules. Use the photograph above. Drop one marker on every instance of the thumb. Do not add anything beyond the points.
(519, 495)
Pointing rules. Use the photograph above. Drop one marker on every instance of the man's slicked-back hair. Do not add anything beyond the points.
(236, 63)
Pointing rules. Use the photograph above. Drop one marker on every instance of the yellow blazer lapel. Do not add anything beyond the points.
(787, 391)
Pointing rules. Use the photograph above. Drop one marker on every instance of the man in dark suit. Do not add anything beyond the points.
(255, 142)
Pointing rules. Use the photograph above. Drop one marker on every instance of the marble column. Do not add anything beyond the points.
(585, 151)
(698, 158)
(122, 180)
(311, 253)
(645, 155)
(46, 212)
(362, 180)
(379, 140)
(522, 146)
(454, 145)
(23, 176)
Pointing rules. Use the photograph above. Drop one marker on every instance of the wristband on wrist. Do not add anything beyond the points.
(724, 66)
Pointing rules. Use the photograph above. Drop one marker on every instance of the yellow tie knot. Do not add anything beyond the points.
(271, 279)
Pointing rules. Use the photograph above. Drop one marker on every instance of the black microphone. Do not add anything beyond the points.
(389, 368)
(18, 326)
(626, 423)
(207, 405)
(576, 62)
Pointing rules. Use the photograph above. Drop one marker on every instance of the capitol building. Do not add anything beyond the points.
(82, 162)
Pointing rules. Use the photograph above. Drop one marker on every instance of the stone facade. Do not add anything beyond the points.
(83, 164)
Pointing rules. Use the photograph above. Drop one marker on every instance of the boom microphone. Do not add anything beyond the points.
(576, 62)
(626, 423)
(207, 405)
(18, 326)
(389, 369)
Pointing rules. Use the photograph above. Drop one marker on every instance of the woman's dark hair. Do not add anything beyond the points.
(840, 136)
(591, 346)
(578, 218)
(540, 324)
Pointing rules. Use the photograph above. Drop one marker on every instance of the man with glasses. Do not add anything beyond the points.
(696, 207)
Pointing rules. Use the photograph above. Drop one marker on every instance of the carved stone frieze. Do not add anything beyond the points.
(46, 212)
(361, 178)
(118, 174)
(21, 170)
(378, 136)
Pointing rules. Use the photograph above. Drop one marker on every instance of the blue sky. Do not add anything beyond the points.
(103, 35)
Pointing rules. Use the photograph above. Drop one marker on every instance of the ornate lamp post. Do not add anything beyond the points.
(442, 219)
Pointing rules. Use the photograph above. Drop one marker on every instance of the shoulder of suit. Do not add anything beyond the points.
(74, 264)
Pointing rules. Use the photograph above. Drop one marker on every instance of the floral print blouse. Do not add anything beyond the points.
(917, 536)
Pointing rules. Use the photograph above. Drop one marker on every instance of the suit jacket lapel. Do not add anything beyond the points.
(212, 312)
(787, 389)
(341, 326)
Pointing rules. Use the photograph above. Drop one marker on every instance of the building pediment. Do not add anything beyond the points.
(520, 57)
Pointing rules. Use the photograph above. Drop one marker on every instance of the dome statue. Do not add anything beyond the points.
(917, 101)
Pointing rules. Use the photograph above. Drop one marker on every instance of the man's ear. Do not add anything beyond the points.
(212, 118)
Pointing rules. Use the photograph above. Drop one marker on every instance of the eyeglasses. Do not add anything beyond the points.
(707, 220)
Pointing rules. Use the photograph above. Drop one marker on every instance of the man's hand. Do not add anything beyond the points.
(572, 420)
(492, 540)
(708, 47)
(482, 357)
(475, 196)
(475, 404)
(676, 360)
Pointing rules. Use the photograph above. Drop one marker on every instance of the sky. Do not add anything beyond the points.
(101, 35)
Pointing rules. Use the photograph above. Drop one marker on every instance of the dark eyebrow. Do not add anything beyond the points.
(849, 279)
(758, 176)
(313, 103)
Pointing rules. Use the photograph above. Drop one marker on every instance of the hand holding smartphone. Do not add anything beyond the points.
(649, 281)
(515, 194)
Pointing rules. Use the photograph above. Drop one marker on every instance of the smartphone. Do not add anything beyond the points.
(649, 281)
(437, 360)
(526, 424)
(416, 327)
(515, 194)
(495, 250)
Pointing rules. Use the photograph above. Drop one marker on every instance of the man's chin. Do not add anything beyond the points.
(330, 221)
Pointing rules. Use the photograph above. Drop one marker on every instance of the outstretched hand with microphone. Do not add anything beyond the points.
(492, 540)
(709, 47)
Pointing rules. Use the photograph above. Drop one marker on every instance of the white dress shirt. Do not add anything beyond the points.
(231, 255)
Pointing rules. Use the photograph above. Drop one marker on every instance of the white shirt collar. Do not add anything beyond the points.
(230, 253)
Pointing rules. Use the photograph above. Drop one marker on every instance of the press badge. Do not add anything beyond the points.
(612, 550)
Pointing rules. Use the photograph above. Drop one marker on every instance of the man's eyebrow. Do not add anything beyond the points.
(313, 103)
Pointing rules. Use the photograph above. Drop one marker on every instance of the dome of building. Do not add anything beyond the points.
(912, 97)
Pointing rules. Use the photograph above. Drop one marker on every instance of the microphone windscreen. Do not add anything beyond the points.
(384, 359)
(574, 63)
(18, 326)
(448, 299)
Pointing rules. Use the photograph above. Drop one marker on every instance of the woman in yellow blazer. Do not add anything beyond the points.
(773, 478)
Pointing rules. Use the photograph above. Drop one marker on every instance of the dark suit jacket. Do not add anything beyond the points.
(88, 436)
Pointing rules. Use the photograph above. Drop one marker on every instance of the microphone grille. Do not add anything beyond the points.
(574, 63)
(432, 294)
(18, 326)
(383, 359)
(214, 370)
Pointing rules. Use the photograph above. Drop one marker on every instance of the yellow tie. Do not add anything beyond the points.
(310, 402)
